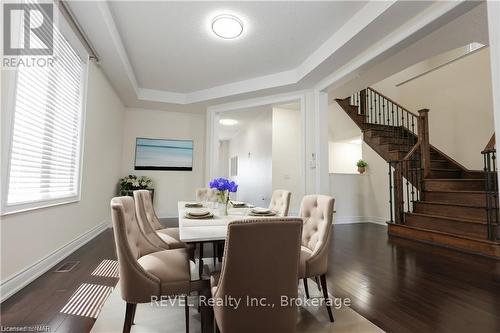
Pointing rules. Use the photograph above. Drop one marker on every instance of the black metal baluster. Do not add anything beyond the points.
(390, 191)
(379, 110)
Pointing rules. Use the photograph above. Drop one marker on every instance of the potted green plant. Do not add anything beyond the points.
(131, 183)
(361, 166)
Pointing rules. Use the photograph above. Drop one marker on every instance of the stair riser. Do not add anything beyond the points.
(445, 174)
(476, 213)
(381, 140)
(452, 227)
(460, 198)
(436, 185)
(441, 165)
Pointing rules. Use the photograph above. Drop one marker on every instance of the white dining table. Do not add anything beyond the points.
(207, 230)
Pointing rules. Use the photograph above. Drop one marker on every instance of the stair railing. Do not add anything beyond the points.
(491, 189)
(381, 112)
(406, 176)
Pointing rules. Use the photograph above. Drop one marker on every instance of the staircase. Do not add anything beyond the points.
(433, 198)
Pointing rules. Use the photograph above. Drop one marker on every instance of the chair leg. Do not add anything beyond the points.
(317, 282)
(326, 296)
(216, 327)
(214, 250)
(186, 312)
(129, 317)
(133, 314)
(306, 287)
(200, 263)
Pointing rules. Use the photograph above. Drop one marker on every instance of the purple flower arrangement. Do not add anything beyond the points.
(223, 187)
(223, 184)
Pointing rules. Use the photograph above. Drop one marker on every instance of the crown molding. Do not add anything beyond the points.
(360, 20)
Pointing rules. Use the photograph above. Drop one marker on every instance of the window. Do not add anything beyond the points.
(45, 147)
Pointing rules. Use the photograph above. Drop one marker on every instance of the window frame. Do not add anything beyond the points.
(10, 81)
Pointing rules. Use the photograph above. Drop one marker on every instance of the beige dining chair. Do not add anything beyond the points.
(146, 270)
(206, 194)
(167, 238)
(268, 271)
(280, 202)
(317, 214)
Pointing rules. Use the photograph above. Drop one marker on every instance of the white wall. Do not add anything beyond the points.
(459, 98)
(255, 171)
(362, 198)
(343, 156)
(33, 235)
(170, 186)
(286, 154)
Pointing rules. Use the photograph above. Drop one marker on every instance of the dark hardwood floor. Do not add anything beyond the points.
(404, 286)
(399, 285)
(39, 303)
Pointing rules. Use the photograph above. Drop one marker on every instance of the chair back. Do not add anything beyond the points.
(261, 261)
(280, 202)
(146, 217)
(317, 213)
(136, 284)
(206, 194)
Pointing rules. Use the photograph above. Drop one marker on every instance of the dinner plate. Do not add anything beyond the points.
(202, 217)
(261, 214)
(198, 213)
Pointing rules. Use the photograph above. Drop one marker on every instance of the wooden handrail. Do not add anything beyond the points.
(392, 101)
(490, 146)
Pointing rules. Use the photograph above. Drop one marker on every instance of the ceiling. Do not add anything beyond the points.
(171, 46)
(162, 55)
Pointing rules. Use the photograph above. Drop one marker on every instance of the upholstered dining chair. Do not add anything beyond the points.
(268, 271)
(146, 270)
(317, 214)
(206, 194)
(167, 238)
(280, 202)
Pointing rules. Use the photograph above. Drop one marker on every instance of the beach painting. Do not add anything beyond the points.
(163, 154)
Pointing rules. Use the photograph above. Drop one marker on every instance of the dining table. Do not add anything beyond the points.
(210, 230)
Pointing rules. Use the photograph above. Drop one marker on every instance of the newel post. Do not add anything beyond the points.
(398, 193)
(362, 102)
(425, 147)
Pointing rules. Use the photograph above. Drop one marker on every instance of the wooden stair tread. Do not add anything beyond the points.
(484, 241)
(456, 179)
(456, 191)
(450, 204)
(442, 217)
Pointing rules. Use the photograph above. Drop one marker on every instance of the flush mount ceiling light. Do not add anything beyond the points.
(227, 26)
(228, 122)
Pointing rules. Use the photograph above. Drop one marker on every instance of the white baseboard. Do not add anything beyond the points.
(19, 280)
(359, 219)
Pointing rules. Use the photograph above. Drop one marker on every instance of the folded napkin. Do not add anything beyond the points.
(260, 210)
(238, 204)
(193, 204)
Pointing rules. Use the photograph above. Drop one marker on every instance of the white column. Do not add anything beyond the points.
(321, 116)
(494, 34)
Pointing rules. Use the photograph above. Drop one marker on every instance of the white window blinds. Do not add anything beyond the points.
(45, 147)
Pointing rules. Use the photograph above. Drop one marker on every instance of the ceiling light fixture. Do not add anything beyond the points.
(228, 122)
(227, 26)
